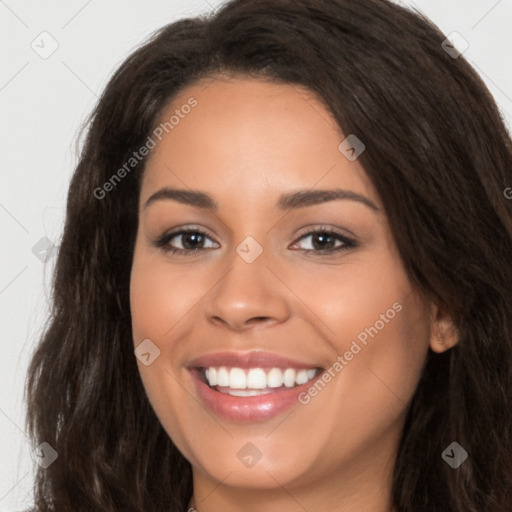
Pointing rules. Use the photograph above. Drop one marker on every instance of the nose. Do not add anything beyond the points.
(248, 296)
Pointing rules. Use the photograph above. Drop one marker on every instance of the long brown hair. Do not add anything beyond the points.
(437, 152)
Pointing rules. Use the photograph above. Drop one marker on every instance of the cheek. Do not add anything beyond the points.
(156, 308)
(381, 360)
(378, 325)
(160, 297)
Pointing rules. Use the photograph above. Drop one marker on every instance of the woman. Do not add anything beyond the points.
(284, 280)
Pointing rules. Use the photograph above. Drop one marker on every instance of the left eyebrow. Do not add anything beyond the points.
(288, 201)
(304, 198)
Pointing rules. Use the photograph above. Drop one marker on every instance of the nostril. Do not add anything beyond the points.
(259, 319)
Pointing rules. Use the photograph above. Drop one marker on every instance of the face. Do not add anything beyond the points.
(284, 336)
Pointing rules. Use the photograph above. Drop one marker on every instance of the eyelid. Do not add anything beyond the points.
(314, 228)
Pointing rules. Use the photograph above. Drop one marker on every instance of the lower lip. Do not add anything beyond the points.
(251, 408)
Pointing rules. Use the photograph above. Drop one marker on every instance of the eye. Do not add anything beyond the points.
(326, 241)
(186, 240)
(192, 241)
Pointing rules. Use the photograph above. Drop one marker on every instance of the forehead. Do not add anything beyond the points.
(253, 137)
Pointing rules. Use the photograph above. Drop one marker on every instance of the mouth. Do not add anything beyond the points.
(250, 387)
(246, 382)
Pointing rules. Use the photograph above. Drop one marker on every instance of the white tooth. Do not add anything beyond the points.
(275, 378)
(289, 377)
(257, 379)
(222, 377)
(211, 376)
(247, 392)
(302, 377)
(237, 378)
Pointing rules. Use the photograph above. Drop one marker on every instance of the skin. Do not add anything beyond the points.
(245, 143)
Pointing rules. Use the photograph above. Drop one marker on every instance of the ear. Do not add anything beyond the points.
(444, 334)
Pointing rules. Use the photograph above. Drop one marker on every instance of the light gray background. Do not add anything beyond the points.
(42, 105)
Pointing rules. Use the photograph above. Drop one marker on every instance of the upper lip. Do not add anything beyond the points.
(253, 359)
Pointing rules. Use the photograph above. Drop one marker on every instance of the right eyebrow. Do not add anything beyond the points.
(190, 197)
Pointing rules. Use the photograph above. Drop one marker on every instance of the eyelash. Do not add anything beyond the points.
(163, 242)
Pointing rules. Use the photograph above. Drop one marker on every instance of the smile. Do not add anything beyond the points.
(256, 381)
(252, 386)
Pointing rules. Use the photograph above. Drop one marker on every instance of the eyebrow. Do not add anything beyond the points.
(286, 202)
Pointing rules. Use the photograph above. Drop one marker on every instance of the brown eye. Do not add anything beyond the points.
(184, 241)
(323, 241)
